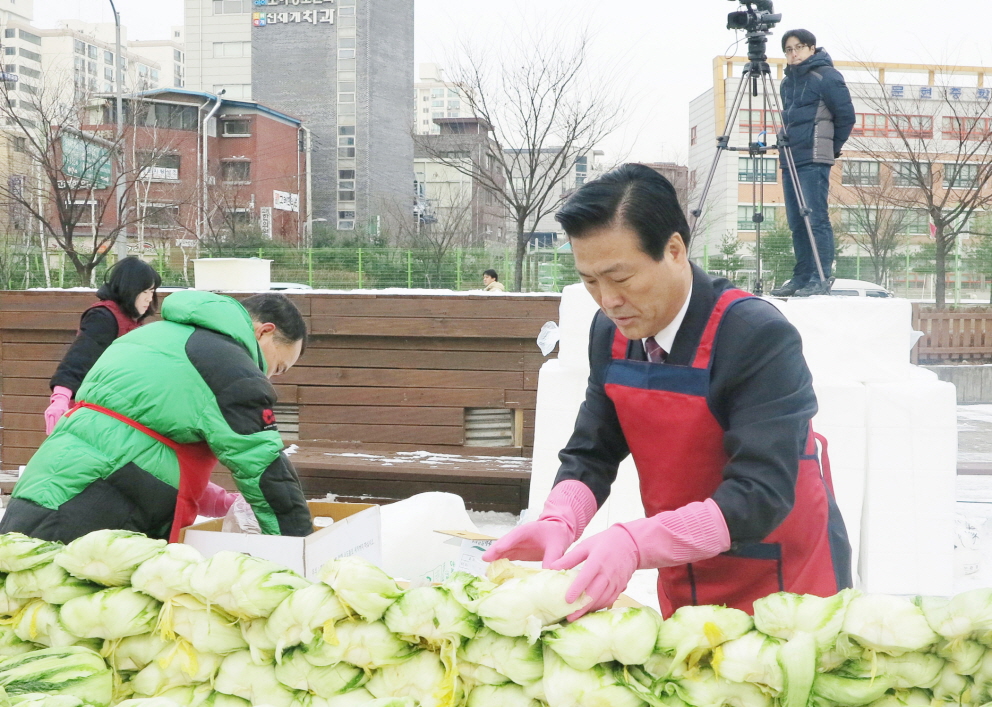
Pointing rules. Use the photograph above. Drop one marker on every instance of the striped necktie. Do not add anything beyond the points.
(655, 353)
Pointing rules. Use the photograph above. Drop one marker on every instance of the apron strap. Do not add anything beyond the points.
(704, 351)
(127, 421)
(825, 461)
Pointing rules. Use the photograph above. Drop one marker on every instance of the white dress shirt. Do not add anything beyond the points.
(666, 337)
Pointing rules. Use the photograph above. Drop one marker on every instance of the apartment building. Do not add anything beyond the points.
(433, 98)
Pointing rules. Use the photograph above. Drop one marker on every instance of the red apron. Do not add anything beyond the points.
(196, 462)
(124, 323)
(677, 445)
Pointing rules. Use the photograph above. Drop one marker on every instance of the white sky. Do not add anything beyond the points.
(664, 48)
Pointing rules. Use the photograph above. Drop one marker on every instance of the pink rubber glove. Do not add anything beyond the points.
(215, 501)
(567, 512)
(697, 531)
(59, 404)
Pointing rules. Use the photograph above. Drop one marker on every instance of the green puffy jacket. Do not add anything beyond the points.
(196, 376)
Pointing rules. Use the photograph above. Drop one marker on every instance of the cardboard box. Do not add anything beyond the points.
(356, 531)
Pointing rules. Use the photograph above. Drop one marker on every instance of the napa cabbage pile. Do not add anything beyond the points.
(115, 618)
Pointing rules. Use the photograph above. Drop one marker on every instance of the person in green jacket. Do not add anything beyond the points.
(155, 413)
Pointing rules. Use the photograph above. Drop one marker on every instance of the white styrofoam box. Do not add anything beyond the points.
(411, 547)
(910, 486)
(232, 274)
(841, 419)
(575, 315)
(856, 338)
(355, 531)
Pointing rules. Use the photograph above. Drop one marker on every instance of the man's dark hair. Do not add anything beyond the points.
(278, 309)
(125, 281)
(634, 196)
(803, 35)
(491, 273)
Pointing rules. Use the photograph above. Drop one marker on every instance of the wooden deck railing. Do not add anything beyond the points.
(955, 333)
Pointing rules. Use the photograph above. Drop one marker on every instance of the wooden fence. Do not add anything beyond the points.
(382, 372)
(955, 333)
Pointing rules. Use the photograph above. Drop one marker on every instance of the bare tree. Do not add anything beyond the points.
(70, 191)
(544, 113)
(439, 225)
(871, 221)
(939, 142)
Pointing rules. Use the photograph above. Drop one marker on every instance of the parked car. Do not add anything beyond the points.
(288, 286)
(858, 288)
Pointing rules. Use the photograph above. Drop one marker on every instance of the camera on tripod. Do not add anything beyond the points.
(758, 17)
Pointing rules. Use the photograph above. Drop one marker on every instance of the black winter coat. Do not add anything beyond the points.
(816, 110)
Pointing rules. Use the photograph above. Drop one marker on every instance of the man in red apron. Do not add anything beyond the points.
(706, 386)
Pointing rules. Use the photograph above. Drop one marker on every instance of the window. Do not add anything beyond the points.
(346, 152)
(346, 225)
(346, 184)
(345, 141)
(692, 135)
(82, 212)
(346, 53)
(177, 55)
(28, 37)
(767, 169)
(91, 67)
(79, 47)
(745, 215)
(860, 173)
(9, 33)
(904, 174)
(172, 117)
(108, 58)
(28, 54)
(454, 105)
(162, 215)
(231, 49)
(108, 73)
(9, 51)
(879, 125)
(346, 130)
(915, 222)
(346, 98)
(757, 120)
(346, 86)
(346, 174)
(235, 128)
(238, 217)
(960, 176)
(236, 171)
(956, 128)
(437, 93)
(159, 167)
(346, 215)
(345, 195)
(232, 7)
(20, 144)
(91, 51)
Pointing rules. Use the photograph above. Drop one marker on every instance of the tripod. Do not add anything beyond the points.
(757, 69)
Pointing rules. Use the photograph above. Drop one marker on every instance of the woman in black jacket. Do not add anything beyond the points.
(126, 299)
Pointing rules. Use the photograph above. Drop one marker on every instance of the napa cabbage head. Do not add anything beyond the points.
(626, 635)
(18, 552)
(693, 633)
(783, 614)
(246, 587)
(111, 613)
(108, 557)
(303, 615)
(361, 586)
(167, 574)
(525, 605)
(888, 624)
(516, 658)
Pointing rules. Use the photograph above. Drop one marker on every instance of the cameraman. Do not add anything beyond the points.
(818, 115)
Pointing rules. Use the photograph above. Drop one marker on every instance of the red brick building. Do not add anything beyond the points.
(204, 169)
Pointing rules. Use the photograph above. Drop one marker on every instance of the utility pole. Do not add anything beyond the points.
(121, 243)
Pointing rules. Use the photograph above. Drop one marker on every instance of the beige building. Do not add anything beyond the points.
(169, 54)
(925, 103)
(436, 98)
(218, 47)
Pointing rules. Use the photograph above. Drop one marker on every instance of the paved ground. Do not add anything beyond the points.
(975, 434)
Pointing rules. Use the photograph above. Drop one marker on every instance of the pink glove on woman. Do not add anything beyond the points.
(566, 514)
(59, 404)
(215, 501)
(695, 532)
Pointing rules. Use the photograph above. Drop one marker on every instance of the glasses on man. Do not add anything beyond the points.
(795, 49)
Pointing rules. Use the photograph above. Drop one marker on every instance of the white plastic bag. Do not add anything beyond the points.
(548, 338)
(241, 518)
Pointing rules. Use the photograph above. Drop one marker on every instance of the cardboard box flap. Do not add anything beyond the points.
(465, 535)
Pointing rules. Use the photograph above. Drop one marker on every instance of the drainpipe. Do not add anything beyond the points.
(308, 147)
(206, 163)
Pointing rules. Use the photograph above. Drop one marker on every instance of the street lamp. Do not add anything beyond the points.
(121, 244)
